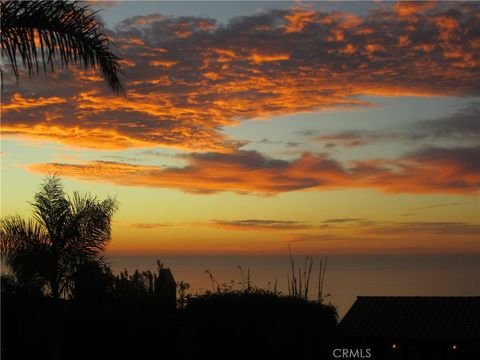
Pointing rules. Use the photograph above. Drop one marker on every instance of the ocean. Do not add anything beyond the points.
(346, 277)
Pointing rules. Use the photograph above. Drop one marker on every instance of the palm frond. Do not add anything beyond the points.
(50, 31)
(17, 234)
(50, 208)
(25, 249)
(89, 228)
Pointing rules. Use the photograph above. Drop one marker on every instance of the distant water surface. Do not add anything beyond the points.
(346, 277)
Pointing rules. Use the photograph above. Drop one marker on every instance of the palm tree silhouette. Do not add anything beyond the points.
(64, 234)
(52, 31)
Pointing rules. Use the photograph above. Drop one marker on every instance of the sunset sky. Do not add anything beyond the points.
(335, 128)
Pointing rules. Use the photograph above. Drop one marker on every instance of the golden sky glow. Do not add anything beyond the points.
(319, 129)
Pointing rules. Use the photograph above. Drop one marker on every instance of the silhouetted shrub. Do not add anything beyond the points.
(124, 316)
(263, 322)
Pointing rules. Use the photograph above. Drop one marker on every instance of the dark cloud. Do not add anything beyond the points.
(156, 154)
(376, 231)
(255, 224)
(434, 206)
(455, 162)
(424, 227)
(463, 123)
(328, 237)
(438, 169)
(342, 220)
(354, 138)
(120, 158)
(288, 144)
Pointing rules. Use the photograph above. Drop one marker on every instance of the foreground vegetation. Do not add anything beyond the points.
(127, 316)
(60, 300)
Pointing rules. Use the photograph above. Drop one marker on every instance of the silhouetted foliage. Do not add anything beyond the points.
(65, 234)
(144, 286)
(43, 32)
(263, 323)
(124, 315)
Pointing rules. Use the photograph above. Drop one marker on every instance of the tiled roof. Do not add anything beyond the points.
(413, 317)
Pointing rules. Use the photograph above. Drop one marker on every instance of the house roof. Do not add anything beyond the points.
(413, 317)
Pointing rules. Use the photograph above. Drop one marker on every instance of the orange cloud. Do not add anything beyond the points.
(282, 62)
(18, 102)
(261, 58)
(75, 137)
(164, 63)
(371, 48)
(407, 8)
(297, 20)
(431, 170)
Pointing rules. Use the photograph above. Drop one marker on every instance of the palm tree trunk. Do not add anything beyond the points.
(55, 284)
